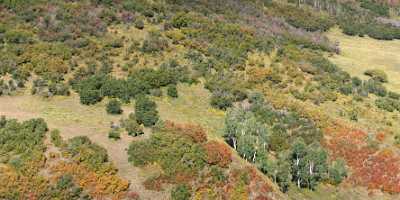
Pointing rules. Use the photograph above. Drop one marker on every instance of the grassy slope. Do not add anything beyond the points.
(361, 53)
(75, 119)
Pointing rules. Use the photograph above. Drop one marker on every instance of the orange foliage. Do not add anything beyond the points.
(380, 136)
(218, 153)
(98, 185)
(194, 131)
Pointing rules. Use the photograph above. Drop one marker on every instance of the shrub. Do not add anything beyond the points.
(146, 111)
(56, 138)
(181, 192)
(218, 154)
(181, 20)
(90, 97)
(172, 91)
(221, 100)
(139, 24)
(114, 107)
(131, 126)
(114, 134)
(154, 43)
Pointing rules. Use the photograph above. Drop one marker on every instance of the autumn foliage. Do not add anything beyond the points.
(218, 153)
(194, 131)
(373, 168)
(98, 185)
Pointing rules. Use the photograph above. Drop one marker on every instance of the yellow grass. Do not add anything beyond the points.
(362, 53)
(192, 106)
(358, 54)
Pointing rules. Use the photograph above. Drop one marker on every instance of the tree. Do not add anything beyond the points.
(181, 192)
(146, 111)
(337, 171)
(114, 107)
(172, 91)
(309, 164)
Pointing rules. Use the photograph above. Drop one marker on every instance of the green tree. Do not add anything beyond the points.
(114, 107)
(146, 111)
(337, 171)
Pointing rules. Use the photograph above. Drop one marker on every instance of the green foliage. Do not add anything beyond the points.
(181, 192)
(181, 20)
(114, 107)
(337, 171)
(114, 134)
(146, 111)
(83, 150)
(302, 17)
(56, 138)
(139, 24)
(154, 43)
(176, 154)
(376, 7)
(132, 126)
(221, 100)
(172, 91)
(388, 104)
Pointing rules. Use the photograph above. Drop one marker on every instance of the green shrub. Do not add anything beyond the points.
(172, 91)
(90, 97)
(139, 24)
(132, 126)
(114, 107)
(114, 134)
(146, 111)
(56, 138)
(221, 100)
(181, 192)
(181, 20)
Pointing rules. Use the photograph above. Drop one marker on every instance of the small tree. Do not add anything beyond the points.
(146, 111)
(172, 91)
(337, 171)
(114, 107)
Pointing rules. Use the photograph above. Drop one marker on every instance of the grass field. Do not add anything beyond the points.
(192, 106)
(358, 54)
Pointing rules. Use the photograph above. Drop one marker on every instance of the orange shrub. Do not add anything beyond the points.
(218, 153)
(194, 131)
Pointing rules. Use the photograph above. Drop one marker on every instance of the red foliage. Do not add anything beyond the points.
(194, 131)
(218, 153)
(371, 168)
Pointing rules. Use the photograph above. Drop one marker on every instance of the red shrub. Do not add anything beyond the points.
(218, 153)
(371, 168)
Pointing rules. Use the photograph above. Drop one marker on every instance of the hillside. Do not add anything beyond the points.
(183, 99)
